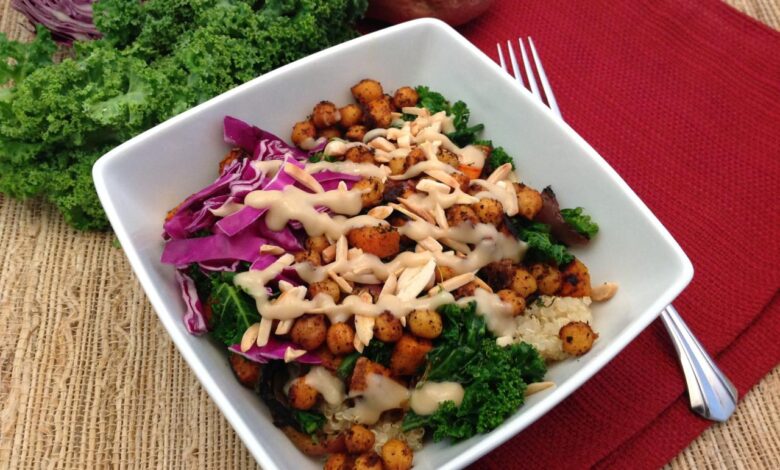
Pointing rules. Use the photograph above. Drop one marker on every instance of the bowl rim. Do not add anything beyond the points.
(491, 440)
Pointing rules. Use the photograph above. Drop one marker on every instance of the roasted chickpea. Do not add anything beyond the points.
(442, 273)
(302, 133)
(368, 461)
(382, 241)
(325, 114)
(548, 278)
(529, 201)
(448, 157)
(309, 331)
(328, 287)
(356, 133)
(396, 166)
(329, 133)
(577, 338)
(359, 439)
(317, 244)
(515, 301)
(425, 323)
(461, 214)
(463, 179)
(302, 396)
(489, 211)
(522, 282)
(351, 115)
(466, 290)
(405, 97)
(415, 156)
(247, 372)
(308, 256)
(396, 455)
(341, 338)
(388, 328)
(363, 368)
(409, 354)
(367, 90)
(575, 280)
(360, 155)
(498, 274)
(339, 461)
(373, 190)
(379, 112)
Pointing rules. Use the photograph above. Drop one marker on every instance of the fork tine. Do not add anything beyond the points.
(529, 71)
(543, 78)
(515, 67)
(501, 58)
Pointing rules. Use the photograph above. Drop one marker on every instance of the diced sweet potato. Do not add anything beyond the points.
(409, 354)
(363, 368)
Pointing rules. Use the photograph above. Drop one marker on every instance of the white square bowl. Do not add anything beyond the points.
(141, 179)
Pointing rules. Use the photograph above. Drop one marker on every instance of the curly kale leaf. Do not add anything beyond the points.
(541, 245)
(308, 421)
(494, 377)
(233, 311)
(497, 156)
(580, 221)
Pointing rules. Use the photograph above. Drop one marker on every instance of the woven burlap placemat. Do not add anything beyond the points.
(89, 378)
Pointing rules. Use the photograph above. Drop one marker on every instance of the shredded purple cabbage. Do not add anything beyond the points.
(194, 320)
(68, 20)
(274, 350)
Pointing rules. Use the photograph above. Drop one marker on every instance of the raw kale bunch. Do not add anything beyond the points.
(156, 59)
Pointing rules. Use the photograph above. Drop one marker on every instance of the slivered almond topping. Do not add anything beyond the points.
(537, 387)
(364, 329)
(440, 216)
(291, 354)
(417, 210)
(500, 173)
(404, 141)
(304, 178)
(271, 249)
(382, 157)
(285, 260)
(328, 254)
(297, 292)
(354, 253)
(249, 337)
(264, 333)
(430, 186)
(343, 284)
(431, 244)
(403, 210)
(444, 177)
(409, 287)
(342, 249)
(390, 285)
(452, 283)
(284, 286)
(380, 212)
(603, 292)
(284, 327)
(382, 144)
(512, 208)
(482, 284)
(342, 186)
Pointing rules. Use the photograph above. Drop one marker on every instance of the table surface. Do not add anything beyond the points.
(89, 378)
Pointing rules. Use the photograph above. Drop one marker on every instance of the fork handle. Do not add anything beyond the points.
(711, 393)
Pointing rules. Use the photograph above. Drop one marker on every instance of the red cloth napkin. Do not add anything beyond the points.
(683, 100)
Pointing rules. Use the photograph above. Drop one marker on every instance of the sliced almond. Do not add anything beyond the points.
(403, 210)
(249, 337)
(342, 249)
(264, 333)
(328, 254)
(342, 186)
(271, 249)
(511, 207)
(354, 253)
(409, 287)
(404, 141)
(537, 387)
(304, 178)
(417, 210)
(298, 292)
(380, 212)
(364, 328)
(382, 157)
(284, 286)
(291, 354)
(603, 292)
(343, 284)
(430, 244)
(284, 327)
(285, 260)
(500, 173)
(336, 148)
(444, 177)
(440, 216)
(430, 186)
(452, 283)
(390, 285)
(382, 144)
(358, 345)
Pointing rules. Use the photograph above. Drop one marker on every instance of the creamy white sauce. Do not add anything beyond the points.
(426, 399)
(381, 394)
(330, 386)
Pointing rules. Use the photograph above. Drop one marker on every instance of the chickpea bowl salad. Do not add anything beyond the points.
(384, 279)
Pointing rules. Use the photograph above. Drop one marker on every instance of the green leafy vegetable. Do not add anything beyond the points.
(498, 155)
(347, 365)
(379, 352)
(435, 102)
(431, 100)
(308, 421)
(233, 311)
(541, 245)
(157, 58)
(494, 377)
(581, 221)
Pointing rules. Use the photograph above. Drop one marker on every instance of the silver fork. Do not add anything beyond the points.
(711, 393)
